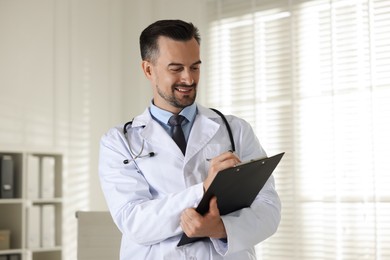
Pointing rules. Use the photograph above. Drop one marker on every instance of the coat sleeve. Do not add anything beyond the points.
(140, 217)
(247, 227)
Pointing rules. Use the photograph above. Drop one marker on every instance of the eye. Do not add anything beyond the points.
(176, 69)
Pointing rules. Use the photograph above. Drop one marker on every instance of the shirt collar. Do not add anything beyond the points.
(163, 116)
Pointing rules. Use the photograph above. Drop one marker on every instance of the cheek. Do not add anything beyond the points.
(196, 75)
(166, 80)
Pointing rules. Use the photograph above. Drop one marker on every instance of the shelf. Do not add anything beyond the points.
(11, 251)
(47, 201)
(48, 249)
(11, 201)
(34, 213)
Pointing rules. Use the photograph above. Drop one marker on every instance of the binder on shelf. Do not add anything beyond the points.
(14, 257)
(34, 227)
(47, 177)
(33, 177)
(7, 177)
(3, 257)
(48, 226)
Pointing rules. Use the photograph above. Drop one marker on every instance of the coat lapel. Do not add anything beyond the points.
(203, 130)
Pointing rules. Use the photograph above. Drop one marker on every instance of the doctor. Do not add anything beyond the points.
(152, 186)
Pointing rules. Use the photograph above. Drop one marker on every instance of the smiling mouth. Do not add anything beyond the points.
(184, 89)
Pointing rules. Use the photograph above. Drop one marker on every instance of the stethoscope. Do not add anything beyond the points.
(133, 154)
(140, 154)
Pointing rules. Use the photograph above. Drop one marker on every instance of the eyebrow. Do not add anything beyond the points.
(179, 64)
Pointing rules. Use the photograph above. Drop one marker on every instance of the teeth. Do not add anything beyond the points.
(183, 89)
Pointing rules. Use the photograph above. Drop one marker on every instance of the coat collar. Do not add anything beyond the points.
(203, 130)
(145, 118)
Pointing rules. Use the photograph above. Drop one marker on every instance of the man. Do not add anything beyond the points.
(152, 184)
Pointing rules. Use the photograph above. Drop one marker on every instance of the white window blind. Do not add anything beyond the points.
(313, 79)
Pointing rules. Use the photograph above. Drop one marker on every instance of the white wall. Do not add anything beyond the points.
(69, 70)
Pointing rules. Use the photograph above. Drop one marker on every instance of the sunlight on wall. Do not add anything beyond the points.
(313, 79)
(76, 188)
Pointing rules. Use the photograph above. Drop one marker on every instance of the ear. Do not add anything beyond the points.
(147, 69)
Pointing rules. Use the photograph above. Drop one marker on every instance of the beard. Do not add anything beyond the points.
(178, 101)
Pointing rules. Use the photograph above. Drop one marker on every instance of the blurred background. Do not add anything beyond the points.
(312, 78)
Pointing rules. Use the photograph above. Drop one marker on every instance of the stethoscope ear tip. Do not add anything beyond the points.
(126, 161)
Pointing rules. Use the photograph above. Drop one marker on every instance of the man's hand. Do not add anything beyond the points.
(209, 225)
(219, 163)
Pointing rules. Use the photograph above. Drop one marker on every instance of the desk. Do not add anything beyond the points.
(97, 236)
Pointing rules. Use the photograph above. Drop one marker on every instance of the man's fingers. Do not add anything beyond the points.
(209, 225)
(225, 164)
(214, 211)
(190, 222)
(225, 156)
(224, 161)
(188, 215)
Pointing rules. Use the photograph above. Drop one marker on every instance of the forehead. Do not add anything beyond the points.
(172, 51)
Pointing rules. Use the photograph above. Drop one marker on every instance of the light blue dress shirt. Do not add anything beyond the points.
(162, 117)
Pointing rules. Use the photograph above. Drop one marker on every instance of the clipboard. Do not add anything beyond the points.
(236, 188)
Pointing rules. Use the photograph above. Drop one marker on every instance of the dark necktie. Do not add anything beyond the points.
(177, 132)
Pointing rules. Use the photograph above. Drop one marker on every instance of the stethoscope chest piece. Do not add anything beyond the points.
(134, 154)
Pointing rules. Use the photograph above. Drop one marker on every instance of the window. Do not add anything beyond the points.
(313, 79)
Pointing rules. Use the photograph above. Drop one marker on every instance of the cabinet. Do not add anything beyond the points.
(33, 214)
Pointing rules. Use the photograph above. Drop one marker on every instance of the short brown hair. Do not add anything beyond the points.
(174, 29)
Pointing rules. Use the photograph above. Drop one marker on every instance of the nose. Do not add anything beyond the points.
(187, 77)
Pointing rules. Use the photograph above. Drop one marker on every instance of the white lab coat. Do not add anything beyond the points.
(147, 206)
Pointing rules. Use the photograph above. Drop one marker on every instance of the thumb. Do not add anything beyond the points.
(214, 206)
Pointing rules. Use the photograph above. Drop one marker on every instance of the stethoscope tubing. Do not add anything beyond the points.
(134, 156)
